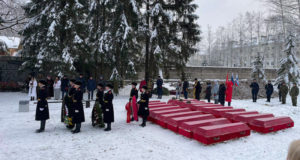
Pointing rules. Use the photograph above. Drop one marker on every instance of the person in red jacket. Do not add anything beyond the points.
(143, 83)
(229, 88)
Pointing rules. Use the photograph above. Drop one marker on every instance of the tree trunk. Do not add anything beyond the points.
(147, 44)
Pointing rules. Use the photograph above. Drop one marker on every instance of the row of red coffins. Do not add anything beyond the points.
(203, 127)
(262, 123)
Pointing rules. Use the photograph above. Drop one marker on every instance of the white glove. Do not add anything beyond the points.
(76, 111)
(41, 109)
(107, 110)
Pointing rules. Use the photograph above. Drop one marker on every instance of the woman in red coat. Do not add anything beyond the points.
(229, 88)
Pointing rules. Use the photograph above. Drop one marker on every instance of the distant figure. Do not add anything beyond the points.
(229, 90)
(208, 92)
(32, 89)
(83, 83)
(42, 109)
(269, 90)
(294, 94)
(215, 92)
(50, 89)
(185, 89)
(284, 91)
(78, 114)
(64, 86)
(56, 86)
(255, 89)
(197, 89)
(294, 151)
(159, 84)
(222, 93)
(178, 89)
(279, 92)
(91, 86)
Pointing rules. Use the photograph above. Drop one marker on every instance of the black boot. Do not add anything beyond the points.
(229, 103)
(144, 122)
(108, 128)
(77, 129)
(132, 119)
(42, 128)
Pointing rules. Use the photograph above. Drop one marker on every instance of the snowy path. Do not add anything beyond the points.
(18, 140)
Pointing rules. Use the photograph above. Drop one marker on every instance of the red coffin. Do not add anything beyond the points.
(209, 109)
(188, 105)
(220, 112)
(187, 128)
(155, 114)
(232, 115)
(219, 133)
(163, 108)
(250, 117)
(272, 124)
(163, 118)
(196, 107)
(173, 123)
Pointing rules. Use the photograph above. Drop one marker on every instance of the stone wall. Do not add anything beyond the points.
(9, 69)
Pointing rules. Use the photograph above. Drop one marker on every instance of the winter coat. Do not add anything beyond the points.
(255, 87)
(159, 83)
(42, 110)
(57, 84)
(134, 92)
(185, 85)
(294, 91)
(284, 90)
(99, 97)
(269, 89)
(215, 91)
(91, 85)
(64, 85)
(208, 91)
(197, 87)
(222, 93)
(144, 102)
(50, 89)
(108, 108)
(143, 83)
(69, 101)
(32, 88)
(78, 116)
(229, 90)
(83, 84)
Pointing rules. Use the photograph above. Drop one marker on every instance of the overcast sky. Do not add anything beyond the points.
(220, 12)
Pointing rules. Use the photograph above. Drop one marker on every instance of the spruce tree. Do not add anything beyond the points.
(289, 71)
(258, 71)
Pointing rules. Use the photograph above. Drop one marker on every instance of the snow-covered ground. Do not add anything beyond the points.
(18, 139)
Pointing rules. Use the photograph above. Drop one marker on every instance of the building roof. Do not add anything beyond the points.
(11, 42)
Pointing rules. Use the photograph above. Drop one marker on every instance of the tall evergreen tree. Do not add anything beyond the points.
(289, 71)
(258, 71)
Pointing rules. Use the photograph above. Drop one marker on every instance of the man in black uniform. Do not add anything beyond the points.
(144, 102)
(42, 110)
(108, 108)
(69, 103)
(97, 118)
(78, 115)
(255, 88)
(133, 92)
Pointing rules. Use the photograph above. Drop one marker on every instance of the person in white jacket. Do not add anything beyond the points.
(32, 89)
(56, 86)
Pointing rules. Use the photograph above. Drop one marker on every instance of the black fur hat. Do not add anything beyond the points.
(78, 83)
(134, 83)
(100, 85)
(145, 87)
(110, 86)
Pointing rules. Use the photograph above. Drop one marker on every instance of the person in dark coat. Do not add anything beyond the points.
(69, 103)
(197, 89)
(144, 108)
(284, 89)
(91, 86)
(83, 83)
(208, 92)
(159, 84)
(42, 110)
(294, 94)
(64, 86)
(269, 90)
(185, 89)
(78, 115)
(222, 93)
(97, 113)
(255, 89)
(108, 108)
(50, 88)
(133, 92)
(279, 92)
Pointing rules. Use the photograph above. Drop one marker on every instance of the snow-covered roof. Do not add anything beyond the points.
(11, 42)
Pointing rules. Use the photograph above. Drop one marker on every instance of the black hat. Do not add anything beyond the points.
(78, 83)
(196, 79)
(100, 85)
(134, 83)
(43, 82)
(110, 86)
(73, 80)
(145, 87)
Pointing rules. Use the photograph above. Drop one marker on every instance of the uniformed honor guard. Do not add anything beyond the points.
(108, 109)
(42, 111)
(78, 115)
(97, 113)
(69, 104)
(133, 92)
(144, 102)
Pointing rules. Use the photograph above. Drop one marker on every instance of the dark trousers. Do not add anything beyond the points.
(185, 93)
(280, 97)
(91, 95)
(222, 103)
(63, 94)
(294, 101)
(159, 92)
(229, 103)
(216, 101)
(268, 98)
(208, 100)
(254, 96)
(78, 127)
(145, 120)
(283, 99)
(43, 124)
(197, 96)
